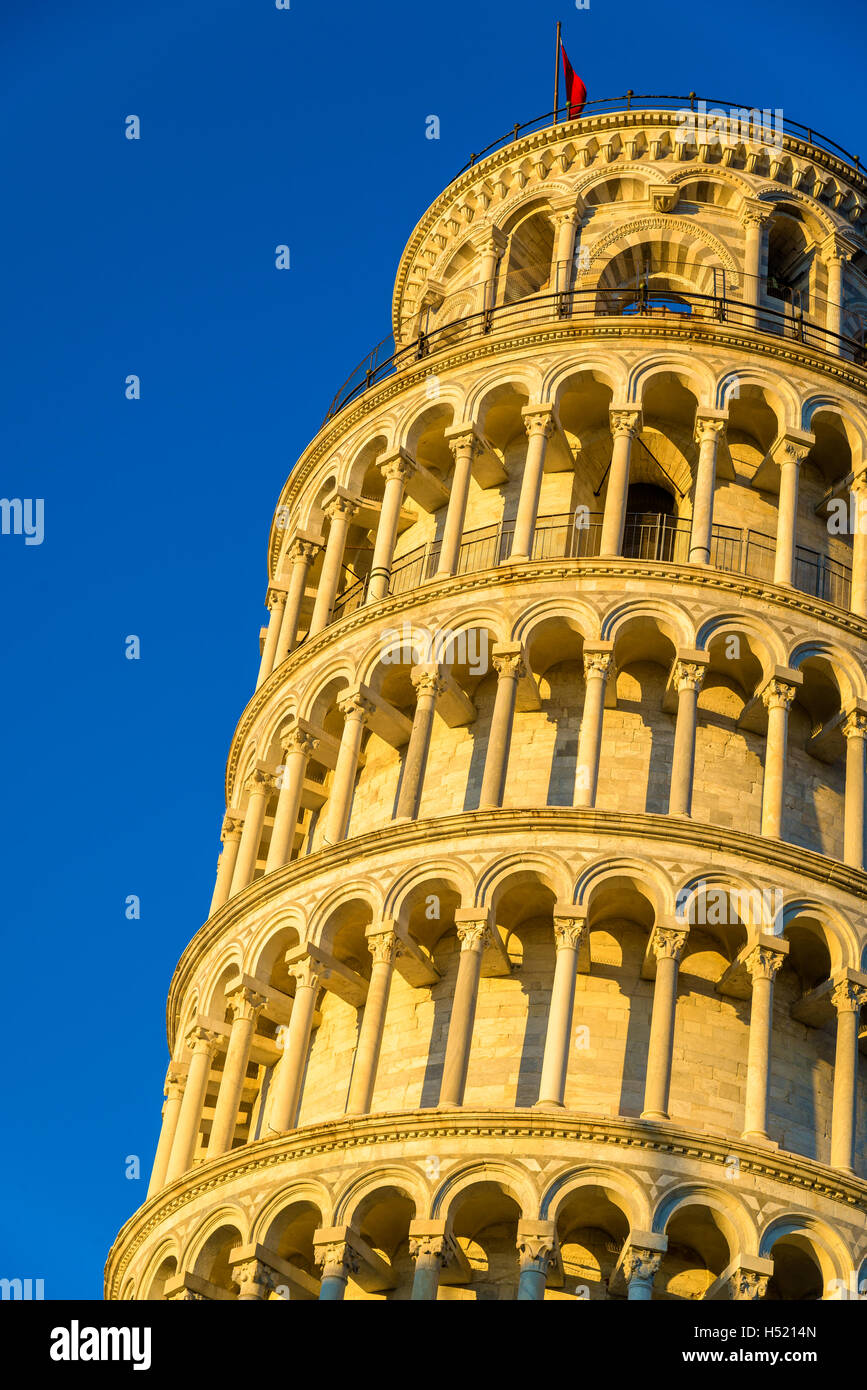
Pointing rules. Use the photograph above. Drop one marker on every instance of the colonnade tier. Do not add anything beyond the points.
(442, 1206)
(573, 532)
(361, 756)
(214, 1100)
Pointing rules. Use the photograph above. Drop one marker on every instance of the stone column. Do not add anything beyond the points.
(254, 1278)
(260, 784)
(428, 686)
(625, 424)
(286, 1093)
(847, 999)
(384, 947)
(753, 216)
(568, 935)
(597, 665)
(835, 255)
(202, 1044)
(566, 227)
(473, 934)
(464, 444)
(763, 965)
(174, 1091)
(275, 602)
(396, 471)
(301, 554)
(777, 698)
(858, 596)
(787, 512)
(247, 1006)
(667, 945)
(297, 747)
(340, 511)
(855, 734)
(431, 1252)
(490, 246)
(688, 677)
(536, 1250)
(338, 1261)
(539, 424)
(510, 669)
(708, 433)
(231, 838)
(356, 711)
(640, 1268)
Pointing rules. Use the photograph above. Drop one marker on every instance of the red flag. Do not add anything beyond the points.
(576, 92)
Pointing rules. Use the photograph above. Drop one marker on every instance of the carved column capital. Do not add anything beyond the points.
(625, 423)
(200, 1039)
(246, 1002)
(752, 213)
(847, 996)
(569, 932)
(834, 248)
(538, 420)
(746, 1285)
(510, 665)
(306, 973)
(641, 1264)
(174, 1083)
(231, 826)
(778, 694)
(464, 440)
(708, 429)
(427, 682)
(792, 451)
(356, 706)
(536, 1251)
(275, 598)
(298, 549)
(688, 675)
(473, 935)
(254, 1278)
(399, 468)
(296, 740)
(337, 1257)
(764, 963)
(260, 782)
(384, 946)
(668, 943)
(343, 508)
(438, 1247)
(597, 664)
(855, 725)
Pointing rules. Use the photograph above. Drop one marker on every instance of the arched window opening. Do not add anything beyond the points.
(531, 248)
(651, 524)
(789, 261)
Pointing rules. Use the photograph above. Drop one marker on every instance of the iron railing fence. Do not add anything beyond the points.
(631, 102)
(577, 535)
(596, 303)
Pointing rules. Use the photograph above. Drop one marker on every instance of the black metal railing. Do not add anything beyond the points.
(632, 101)
(585, 304)
(647, 536)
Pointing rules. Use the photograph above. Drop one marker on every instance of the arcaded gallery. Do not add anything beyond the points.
(536, 953)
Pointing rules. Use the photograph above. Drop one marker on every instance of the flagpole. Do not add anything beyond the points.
(557, 74)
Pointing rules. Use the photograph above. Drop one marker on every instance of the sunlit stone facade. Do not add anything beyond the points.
(534, 964)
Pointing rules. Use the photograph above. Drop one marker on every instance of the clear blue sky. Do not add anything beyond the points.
(258, 127)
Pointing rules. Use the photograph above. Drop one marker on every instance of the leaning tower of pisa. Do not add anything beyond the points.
(534, 964)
